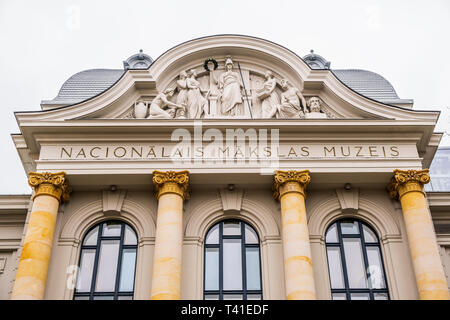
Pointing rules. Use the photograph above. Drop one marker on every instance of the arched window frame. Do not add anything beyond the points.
(116, 294)
(364, 245)
(246, 294)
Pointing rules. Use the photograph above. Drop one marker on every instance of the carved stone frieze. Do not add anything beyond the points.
(229, 91)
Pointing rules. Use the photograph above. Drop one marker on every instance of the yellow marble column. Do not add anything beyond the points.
(49, 190)
(407, 186)
(171, 190)
(289, 187)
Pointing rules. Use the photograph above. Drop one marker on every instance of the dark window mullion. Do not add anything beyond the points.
(119, 261)
(366, 260)
(344, 265)
(244, 264)
(221, 261)
(97, 254)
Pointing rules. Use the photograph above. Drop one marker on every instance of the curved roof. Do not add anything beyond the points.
(86, 84)
(367, 83)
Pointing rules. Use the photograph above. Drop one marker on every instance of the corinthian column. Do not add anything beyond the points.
(407, 186)
(171, 190)
(289, 187)
(49, 190)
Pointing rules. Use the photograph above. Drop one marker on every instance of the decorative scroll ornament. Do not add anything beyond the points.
(171, 182)
(282, 186)
(405, 181)
(51, 184)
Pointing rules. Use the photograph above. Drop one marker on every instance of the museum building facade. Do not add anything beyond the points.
(228, 168)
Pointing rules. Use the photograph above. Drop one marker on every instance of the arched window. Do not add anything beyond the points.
(355, 262)
(107, 263)
(232, 262)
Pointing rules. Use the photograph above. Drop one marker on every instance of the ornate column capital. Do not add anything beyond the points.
(405, 181)
(171, 182)
(51, 184)
(290, 181)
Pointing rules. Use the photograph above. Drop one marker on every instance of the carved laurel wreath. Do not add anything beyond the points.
(205, 64)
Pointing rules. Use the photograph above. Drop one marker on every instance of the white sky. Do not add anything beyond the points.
(44, 42)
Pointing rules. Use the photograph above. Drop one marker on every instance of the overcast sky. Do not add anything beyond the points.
(44, 42)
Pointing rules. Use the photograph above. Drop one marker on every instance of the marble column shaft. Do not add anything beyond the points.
(171, 190)
(289, 187)
(50, 189)
(407, 186)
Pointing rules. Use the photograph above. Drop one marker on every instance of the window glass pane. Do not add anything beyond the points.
(212, 269)
(332, 235)
(369, 235)
(81, 298)
(86, 268)
(111, 229)
(104, 298)
(253, 297)
(232, 264)
(231, 228)
(125, 298)
(339, 296)
(252, 265)
(355, 264)
(107, 266)
(349, 227)
(250, 235)
(335, 267)
(130, 236)
(359, 296)
(380, 296)
(127, 270)
(213, 235)
(91, 238)
(232, 297)
(375, 268)
(211, 297)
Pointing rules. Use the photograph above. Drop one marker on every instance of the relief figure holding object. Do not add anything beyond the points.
(197, 103)
(158, 106)
(230, 90)
(268, 96)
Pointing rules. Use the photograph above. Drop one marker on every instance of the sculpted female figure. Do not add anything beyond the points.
(197, 104)
(230, 87)
(182, 98)
(270, 99)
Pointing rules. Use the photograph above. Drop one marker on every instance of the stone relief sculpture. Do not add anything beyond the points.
(161, 107)
(230, 85)
(314, 104)
(140, 109)
(315, 109)
(224, 96)
(290, 106)
(197, 104)
(182, 98)
(268, 96)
